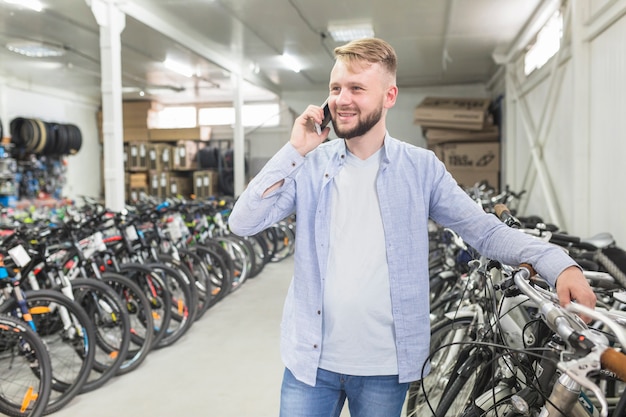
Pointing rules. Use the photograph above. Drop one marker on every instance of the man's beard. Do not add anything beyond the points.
(362, 127)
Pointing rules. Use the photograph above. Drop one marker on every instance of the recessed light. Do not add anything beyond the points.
(349, 31)
(292, 62)
(35, 49)
(30, 4)
(178, 67)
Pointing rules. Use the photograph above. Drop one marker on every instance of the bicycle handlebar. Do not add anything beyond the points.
(597, 353)
(615, 362)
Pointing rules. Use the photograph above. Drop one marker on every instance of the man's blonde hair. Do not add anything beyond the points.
(372, 50)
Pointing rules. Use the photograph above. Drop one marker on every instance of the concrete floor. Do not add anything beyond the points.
(227, 365)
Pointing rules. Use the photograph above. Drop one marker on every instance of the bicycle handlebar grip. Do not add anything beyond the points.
(501, 208)
(530, 269)
(615, 362)
(564, 238)
(504, 214)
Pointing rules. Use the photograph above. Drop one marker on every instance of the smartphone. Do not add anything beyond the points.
(320, 127)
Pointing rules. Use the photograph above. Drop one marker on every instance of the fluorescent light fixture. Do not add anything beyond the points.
(35, 49)
(176, 66)
(349, 31)
(292, 63)
(30, 4)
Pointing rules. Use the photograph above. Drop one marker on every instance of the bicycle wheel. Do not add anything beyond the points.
(153, 287)
(201, 279)
(188, 281)
(240, 258)
(25, 370)
(139, 311)
(69, 335)
(468, 382)
(179, 289)
(424, 395)
(112, 325)
(220, 274)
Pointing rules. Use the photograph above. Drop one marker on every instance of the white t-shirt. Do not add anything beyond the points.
(357, 321)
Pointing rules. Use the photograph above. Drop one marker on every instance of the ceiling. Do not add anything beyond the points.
(438, 42)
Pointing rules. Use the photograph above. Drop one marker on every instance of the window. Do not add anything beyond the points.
(253, 115)
(546, 45)
(176, 117)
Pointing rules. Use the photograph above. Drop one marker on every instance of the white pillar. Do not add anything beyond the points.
(239, 152)
(112, 22)
(581, 136)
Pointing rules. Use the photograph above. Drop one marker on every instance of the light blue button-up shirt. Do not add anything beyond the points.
(412, 186)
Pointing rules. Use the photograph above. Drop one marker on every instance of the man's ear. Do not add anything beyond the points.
(390, 96)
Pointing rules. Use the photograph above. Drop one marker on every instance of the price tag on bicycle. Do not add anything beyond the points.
(19, 255)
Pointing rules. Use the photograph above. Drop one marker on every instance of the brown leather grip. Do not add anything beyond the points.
(530, 268)
(500, 208)
(615, 362)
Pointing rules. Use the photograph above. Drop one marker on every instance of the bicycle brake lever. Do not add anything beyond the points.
(578, 369)
(597, 315)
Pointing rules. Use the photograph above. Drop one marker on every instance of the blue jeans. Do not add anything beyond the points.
(368, 396)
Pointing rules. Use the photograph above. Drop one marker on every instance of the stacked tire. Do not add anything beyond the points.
(45, 138)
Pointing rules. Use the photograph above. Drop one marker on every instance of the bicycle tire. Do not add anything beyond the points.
(240, 259)
(181, 317)
(201, 280)
(426, 393)
(153, 287)
(66, 383)
(25, 370)
(219, 273)
(138, 309)
(112, 325)
(456, 397)
(226, 259)
(188, 281)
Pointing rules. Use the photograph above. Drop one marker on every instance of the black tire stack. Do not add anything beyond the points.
(45, 138)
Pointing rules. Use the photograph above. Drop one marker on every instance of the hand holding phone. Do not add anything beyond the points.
(320, 127)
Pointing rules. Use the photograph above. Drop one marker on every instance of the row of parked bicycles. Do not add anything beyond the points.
(87, 293)
(501, 345)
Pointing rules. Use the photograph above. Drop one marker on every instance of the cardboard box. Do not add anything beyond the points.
(160, 156)
(481, 156)
(135, 134)
(159, 184)
(181, 185)
(453, 112)
(135, 194)
(138, 156)
(469, 177)
(202, 133)
(205, 183)
(185, 154)
(136, 184)
(137, 179)
(435, 135)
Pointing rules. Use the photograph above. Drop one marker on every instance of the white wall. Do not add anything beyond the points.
(83, 169)
(584, 150)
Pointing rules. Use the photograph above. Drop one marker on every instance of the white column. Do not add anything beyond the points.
(239, 152)
(581, 138)
(112, 22)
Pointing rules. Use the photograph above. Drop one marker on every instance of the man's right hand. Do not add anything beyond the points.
(304, 136)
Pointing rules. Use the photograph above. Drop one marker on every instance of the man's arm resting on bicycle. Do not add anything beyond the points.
(571, 285)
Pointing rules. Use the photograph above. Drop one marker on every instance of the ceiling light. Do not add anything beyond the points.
(292, 63)
(349, 31)
(176, 66)
(30, 4)
(35, 49)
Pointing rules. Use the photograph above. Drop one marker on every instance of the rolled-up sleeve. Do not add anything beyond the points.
(254, 211)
